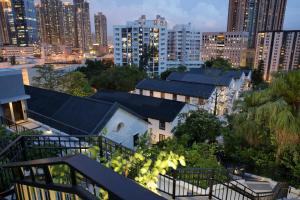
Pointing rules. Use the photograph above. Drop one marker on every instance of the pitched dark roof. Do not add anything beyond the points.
(70, 114)
(177, 87)
(148, 107)
(200, 78)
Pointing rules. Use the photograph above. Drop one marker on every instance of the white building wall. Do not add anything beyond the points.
(132, 125)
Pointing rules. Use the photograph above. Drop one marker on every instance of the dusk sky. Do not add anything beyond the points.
(205, 15)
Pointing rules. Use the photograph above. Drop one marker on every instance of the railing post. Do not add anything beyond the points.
(73, 177)
(211, 184)
(100, 147)
(23, 145)
(174, 172)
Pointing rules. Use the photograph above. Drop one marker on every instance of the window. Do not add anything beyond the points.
(135, 140)
(187, 99)
(151, 93)
(120, 126)
(175, 97)
(162, 125)
(161, 137)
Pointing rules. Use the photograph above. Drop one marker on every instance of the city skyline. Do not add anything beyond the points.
(212, 18)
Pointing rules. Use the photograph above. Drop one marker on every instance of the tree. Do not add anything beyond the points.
(257, 75)
(166, 73)
(266, 131)
(122, 78)
(75, 83)
(93, 68)
(200, 126)
(47, 77)
(219, 62)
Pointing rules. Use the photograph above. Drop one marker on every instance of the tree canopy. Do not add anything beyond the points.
(166, 73)
(122, 78)
(266, 131)
(199, 126)
(219, 63)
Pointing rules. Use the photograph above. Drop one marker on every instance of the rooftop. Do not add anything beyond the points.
(207, 76)
(69, 114)
(177, 87)
(149, 107)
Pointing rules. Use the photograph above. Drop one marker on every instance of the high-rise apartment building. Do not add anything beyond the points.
(83, 33)
(228, 45)
(184, 47)
(100, 29)
(68, 24)
(278, 51)
(143, 43)
(51, 21)
(18, 22)
(254, 16)
(25, 21)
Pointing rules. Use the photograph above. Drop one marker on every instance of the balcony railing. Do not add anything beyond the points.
(82, 178)
(185, 182)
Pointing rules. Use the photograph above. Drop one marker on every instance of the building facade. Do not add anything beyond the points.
(18, 22)
(184, 47)
(254, 16)
(83, 33)
(227, 45)
(50, 21)
(100, 29)
(68, 24)
(278, 51)
(143, 43)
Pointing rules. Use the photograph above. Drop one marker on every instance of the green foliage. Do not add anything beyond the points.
(119, 78)
(93, 68)
(199, 126)
(257, 77)
(75, 83)
(144, 168)
(166, 73)
(47, 77)
(200, 155)
(220, 63)
(267, 130)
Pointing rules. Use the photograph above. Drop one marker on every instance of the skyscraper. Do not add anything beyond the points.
(68, 24)
(278, 51)
(25, 21)
(254, 16)
(51, 22)
(101, 29)
(18, 22)
(143, 43)
(184, 46)
(83, 33)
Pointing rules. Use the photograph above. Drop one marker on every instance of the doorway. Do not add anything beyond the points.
(18, 111)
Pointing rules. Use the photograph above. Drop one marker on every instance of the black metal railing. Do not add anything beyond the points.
(186, 182)
(34, 147)
(12, 125)
(82, 177)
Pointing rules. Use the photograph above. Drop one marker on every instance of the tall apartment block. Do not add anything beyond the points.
(184, 47)
(228, 45)
(51, 22)
(68, 24)
(100, 29)
(278, 51)
(83, 32)
(143, 43)
(18, 22)
(254, 16)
